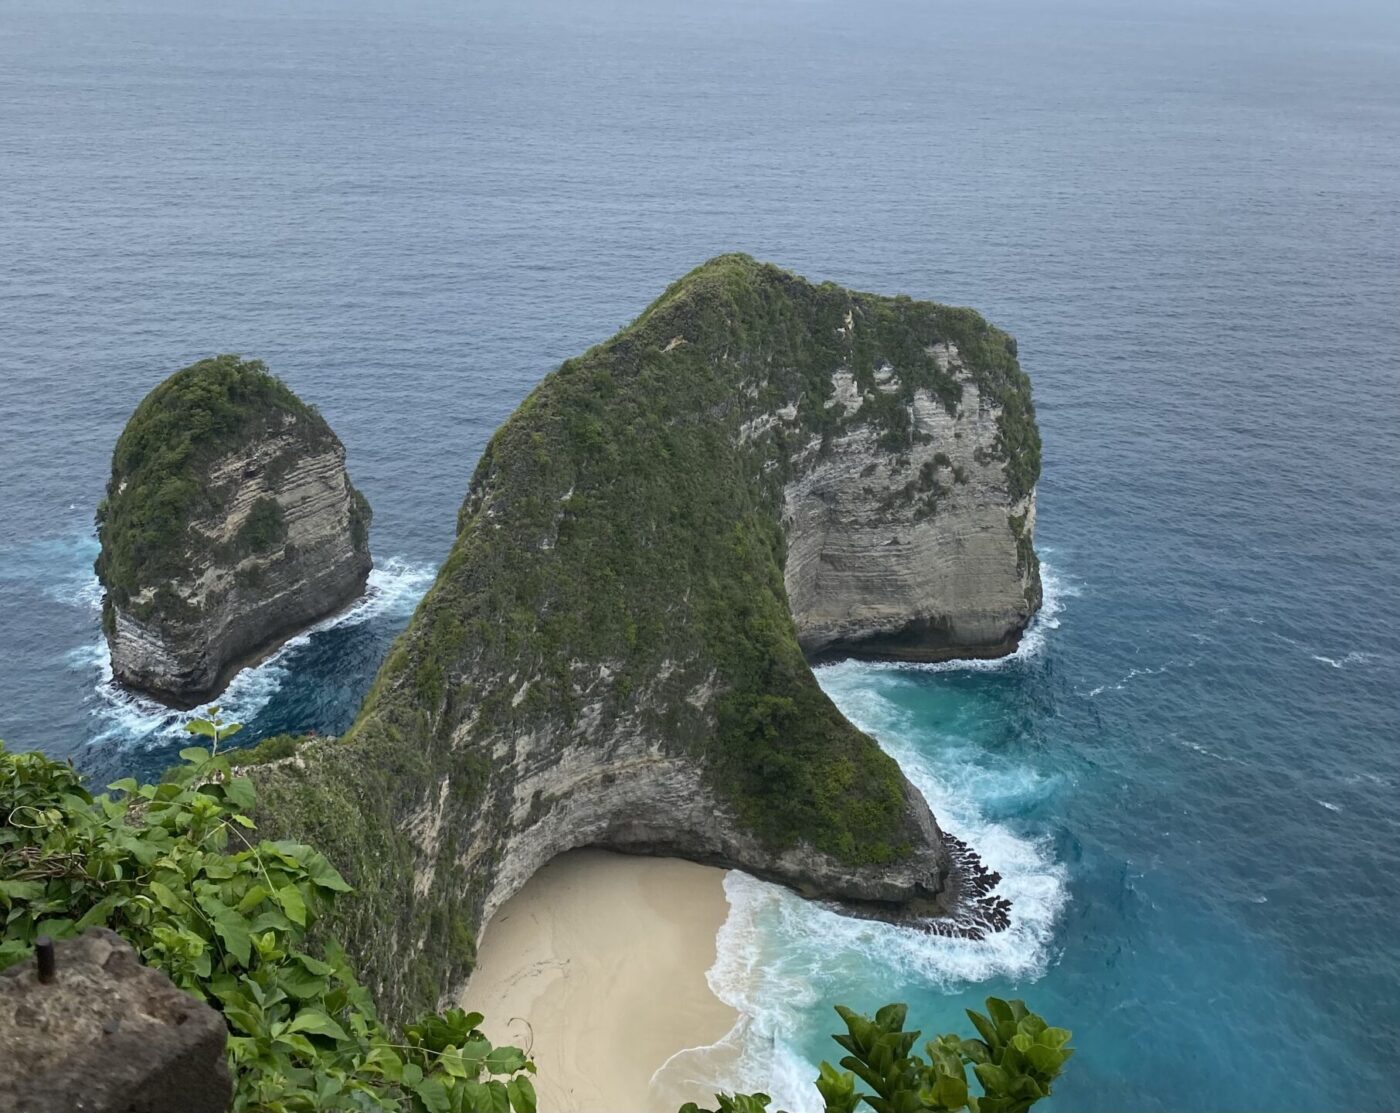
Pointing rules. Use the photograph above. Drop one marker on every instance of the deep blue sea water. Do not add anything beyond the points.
(1188, 213)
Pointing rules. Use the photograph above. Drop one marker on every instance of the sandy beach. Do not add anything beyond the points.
(597, 966)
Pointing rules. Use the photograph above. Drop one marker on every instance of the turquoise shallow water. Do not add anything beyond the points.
(1187, 213)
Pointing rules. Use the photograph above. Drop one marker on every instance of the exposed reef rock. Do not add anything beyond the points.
(229, 525)
(613, 652)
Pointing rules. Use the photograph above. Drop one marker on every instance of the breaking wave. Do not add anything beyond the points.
(393, 590)
(781, 959)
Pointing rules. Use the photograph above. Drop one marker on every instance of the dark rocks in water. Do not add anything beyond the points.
(613, 652)
(229, 525)
(976, 912)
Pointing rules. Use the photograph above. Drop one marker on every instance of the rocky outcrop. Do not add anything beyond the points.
(923, 555)
(230, 524)
(105, 1034)
(613, 652)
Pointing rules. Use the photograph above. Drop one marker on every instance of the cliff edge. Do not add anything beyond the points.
(229, 525)
(615, 652)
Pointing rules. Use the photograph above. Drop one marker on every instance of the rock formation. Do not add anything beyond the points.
(107, 1035)
(613, 652)
(229, 525)
(921, 555)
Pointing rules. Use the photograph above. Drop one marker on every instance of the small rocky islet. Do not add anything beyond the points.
(758, 473)
(229, 525)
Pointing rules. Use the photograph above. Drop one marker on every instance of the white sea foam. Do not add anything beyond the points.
(1132, 674)
(777, 953)
(1353, 658)
(1330, 806)
(393, 589)
(1055, 589)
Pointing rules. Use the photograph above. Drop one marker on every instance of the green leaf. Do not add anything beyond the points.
(993, 1078)
(505, 1060)
(199, 726)
(318, 1024)
(233, 932)
(239, 792)
(433, 1094)
(300, 1044)
(302, 984)
(500, 1098)
(195, 755)
(21, 890)
(986, 1028)
(1046, 1060)
(891, 1017)
(1001, 1013)
(58, 928)
(100, 912)
(951, 1091)
(521, 1092)
(314, 965)
(167, 898)
(289, 897)
(324, 875)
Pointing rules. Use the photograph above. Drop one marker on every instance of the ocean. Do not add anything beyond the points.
(1187, 212)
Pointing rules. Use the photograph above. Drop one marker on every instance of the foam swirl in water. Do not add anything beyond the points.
(393, 590)
(780, 957)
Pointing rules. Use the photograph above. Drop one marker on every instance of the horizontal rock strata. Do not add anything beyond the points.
(273, 536)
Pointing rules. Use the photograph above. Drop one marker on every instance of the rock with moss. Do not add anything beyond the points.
(229, 525)
(616, 652)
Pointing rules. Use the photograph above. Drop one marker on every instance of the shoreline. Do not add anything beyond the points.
(598, 968)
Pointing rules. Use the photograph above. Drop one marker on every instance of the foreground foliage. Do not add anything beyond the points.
(175, 869)
(1015, 1061)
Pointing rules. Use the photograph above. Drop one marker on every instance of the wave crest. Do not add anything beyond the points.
(393, 590)
(780, 957)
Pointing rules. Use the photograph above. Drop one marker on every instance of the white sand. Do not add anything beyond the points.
(597, 968)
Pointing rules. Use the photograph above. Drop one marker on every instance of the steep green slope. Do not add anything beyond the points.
(608, 654)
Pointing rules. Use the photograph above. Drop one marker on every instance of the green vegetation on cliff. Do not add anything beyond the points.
(160, 469)
(623, 531)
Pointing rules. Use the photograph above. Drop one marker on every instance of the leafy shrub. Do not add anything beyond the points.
(174, 869)
(1015, 1061)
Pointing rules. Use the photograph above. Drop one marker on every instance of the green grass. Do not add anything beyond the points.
(616, 519)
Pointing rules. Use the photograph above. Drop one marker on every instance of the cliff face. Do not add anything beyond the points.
(229, 525)
(613, 652)
(921, 555)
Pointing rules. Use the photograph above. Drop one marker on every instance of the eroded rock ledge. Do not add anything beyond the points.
(229, 525)
(613, 652)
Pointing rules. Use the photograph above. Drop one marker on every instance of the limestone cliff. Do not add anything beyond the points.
(229, 524)
(613, 652)
(920, 555)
